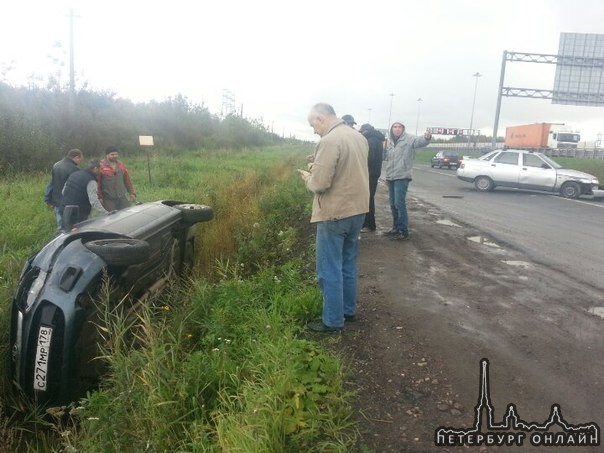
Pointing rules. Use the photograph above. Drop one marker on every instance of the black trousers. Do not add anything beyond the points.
(370, 216)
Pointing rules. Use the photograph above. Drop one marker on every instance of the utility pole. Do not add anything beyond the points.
(71, 67)
(419, 103)
(476, 75)
(390, 114)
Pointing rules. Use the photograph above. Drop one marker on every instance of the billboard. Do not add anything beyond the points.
(579, 70)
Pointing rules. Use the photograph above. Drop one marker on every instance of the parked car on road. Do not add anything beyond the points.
(448, 159)
(53, 336)
(525, 170)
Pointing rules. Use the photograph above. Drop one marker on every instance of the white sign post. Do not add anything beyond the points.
(146, 140)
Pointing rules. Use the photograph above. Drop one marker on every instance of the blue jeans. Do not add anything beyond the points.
(397, 191)
(59, 217)
(337, 249)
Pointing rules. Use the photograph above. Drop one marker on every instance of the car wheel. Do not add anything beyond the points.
(484, 184)
(570, 189)
(120, 251)
(195, 213)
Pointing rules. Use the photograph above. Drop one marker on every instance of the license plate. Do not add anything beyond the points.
(42, 357)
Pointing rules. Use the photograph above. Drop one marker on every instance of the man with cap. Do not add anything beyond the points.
(115, 186)
(349, 120)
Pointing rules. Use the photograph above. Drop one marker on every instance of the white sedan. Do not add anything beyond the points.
(525, 170)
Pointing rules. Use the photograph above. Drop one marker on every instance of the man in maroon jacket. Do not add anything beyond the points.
(115, 187)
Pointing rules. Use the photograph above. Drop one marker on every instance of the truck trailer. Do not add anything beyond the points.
(541, 136)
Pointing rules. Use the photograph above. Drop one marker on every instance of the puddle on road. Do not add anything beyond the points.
(482, 240)
(598, 311)
(448, 223)
(522, 264)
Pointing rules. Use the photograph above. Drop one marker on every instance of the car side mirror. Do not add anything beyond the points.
(70, 216)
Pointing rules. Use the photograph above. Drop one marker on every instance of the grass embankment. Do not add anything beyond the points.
(219, 363)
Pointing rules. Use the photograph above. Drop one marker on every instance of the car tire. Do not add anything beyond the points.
(195, 213)
(484, 184)
(120, 251)
(570, 189)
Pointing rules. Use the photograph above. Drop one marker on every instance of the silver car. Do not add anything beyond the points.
(525, 170)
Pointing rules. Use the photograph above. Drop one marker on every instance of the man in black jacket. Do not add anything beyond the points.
(374, 161)
(61, 170)
(81, 190)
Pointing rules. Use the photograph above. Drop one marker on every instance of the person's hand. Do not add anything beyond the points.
(304, 174)
(133, 196)
(50, 205)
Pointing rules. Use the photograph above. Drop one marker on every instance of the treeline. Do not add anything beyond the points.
(38, 126)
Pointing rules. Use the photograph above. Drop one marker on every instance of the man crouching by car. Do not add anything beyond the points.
(81, 190)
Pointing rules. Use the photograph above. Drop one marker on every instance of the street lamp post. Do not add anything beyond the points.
(390, 114)
(476, 76)
(419, 103)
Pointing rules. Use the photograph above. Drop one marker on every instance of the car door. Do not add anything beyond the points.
(536, 174)
(505, 169)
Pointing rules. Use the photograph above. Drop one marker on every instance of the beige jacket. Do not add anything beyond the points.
(339, 175)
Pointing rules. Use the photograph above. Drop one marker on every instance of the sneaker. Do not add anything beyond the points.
(400, 237)
(350, 318)
(318, 326)
(392, 232)
(365, 230)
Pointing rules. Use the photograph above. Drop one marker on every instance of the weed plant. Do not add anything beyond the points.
(219, 363)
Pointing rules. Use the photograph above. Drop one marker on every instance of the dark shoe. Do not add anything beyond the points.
(350, 318)
(318, 326)
(400, 237)
(392, 232)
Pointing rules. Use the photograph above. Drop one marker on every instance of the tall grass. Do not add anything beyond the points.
(221, 363)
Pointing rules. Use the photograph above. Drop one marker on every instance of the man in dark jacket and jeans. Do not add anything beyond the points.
(60, 172)
(374, 161)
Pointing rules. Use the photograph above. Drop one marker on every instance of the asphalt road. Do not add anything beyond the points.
(566, 235)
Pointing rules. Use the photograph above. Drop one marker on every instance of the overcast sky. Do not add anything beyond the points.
(279, 57)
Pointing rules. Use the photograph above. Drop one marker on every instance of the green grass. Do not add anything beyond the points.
(219, 364)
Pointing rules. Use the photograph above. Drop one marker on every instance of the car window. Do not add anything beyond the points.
(551, 162)
(530, 160)
(450, 154)
(507, 157)
(488, 156)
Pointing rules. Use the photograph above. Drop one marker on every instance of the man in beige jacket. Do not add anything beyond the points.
(339, 179)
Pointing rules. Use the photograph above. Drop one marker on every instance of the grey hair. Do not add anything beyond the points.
(323, 109)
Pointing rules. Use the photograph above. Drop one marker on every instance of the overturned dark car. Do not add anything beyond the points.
(137, 249)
